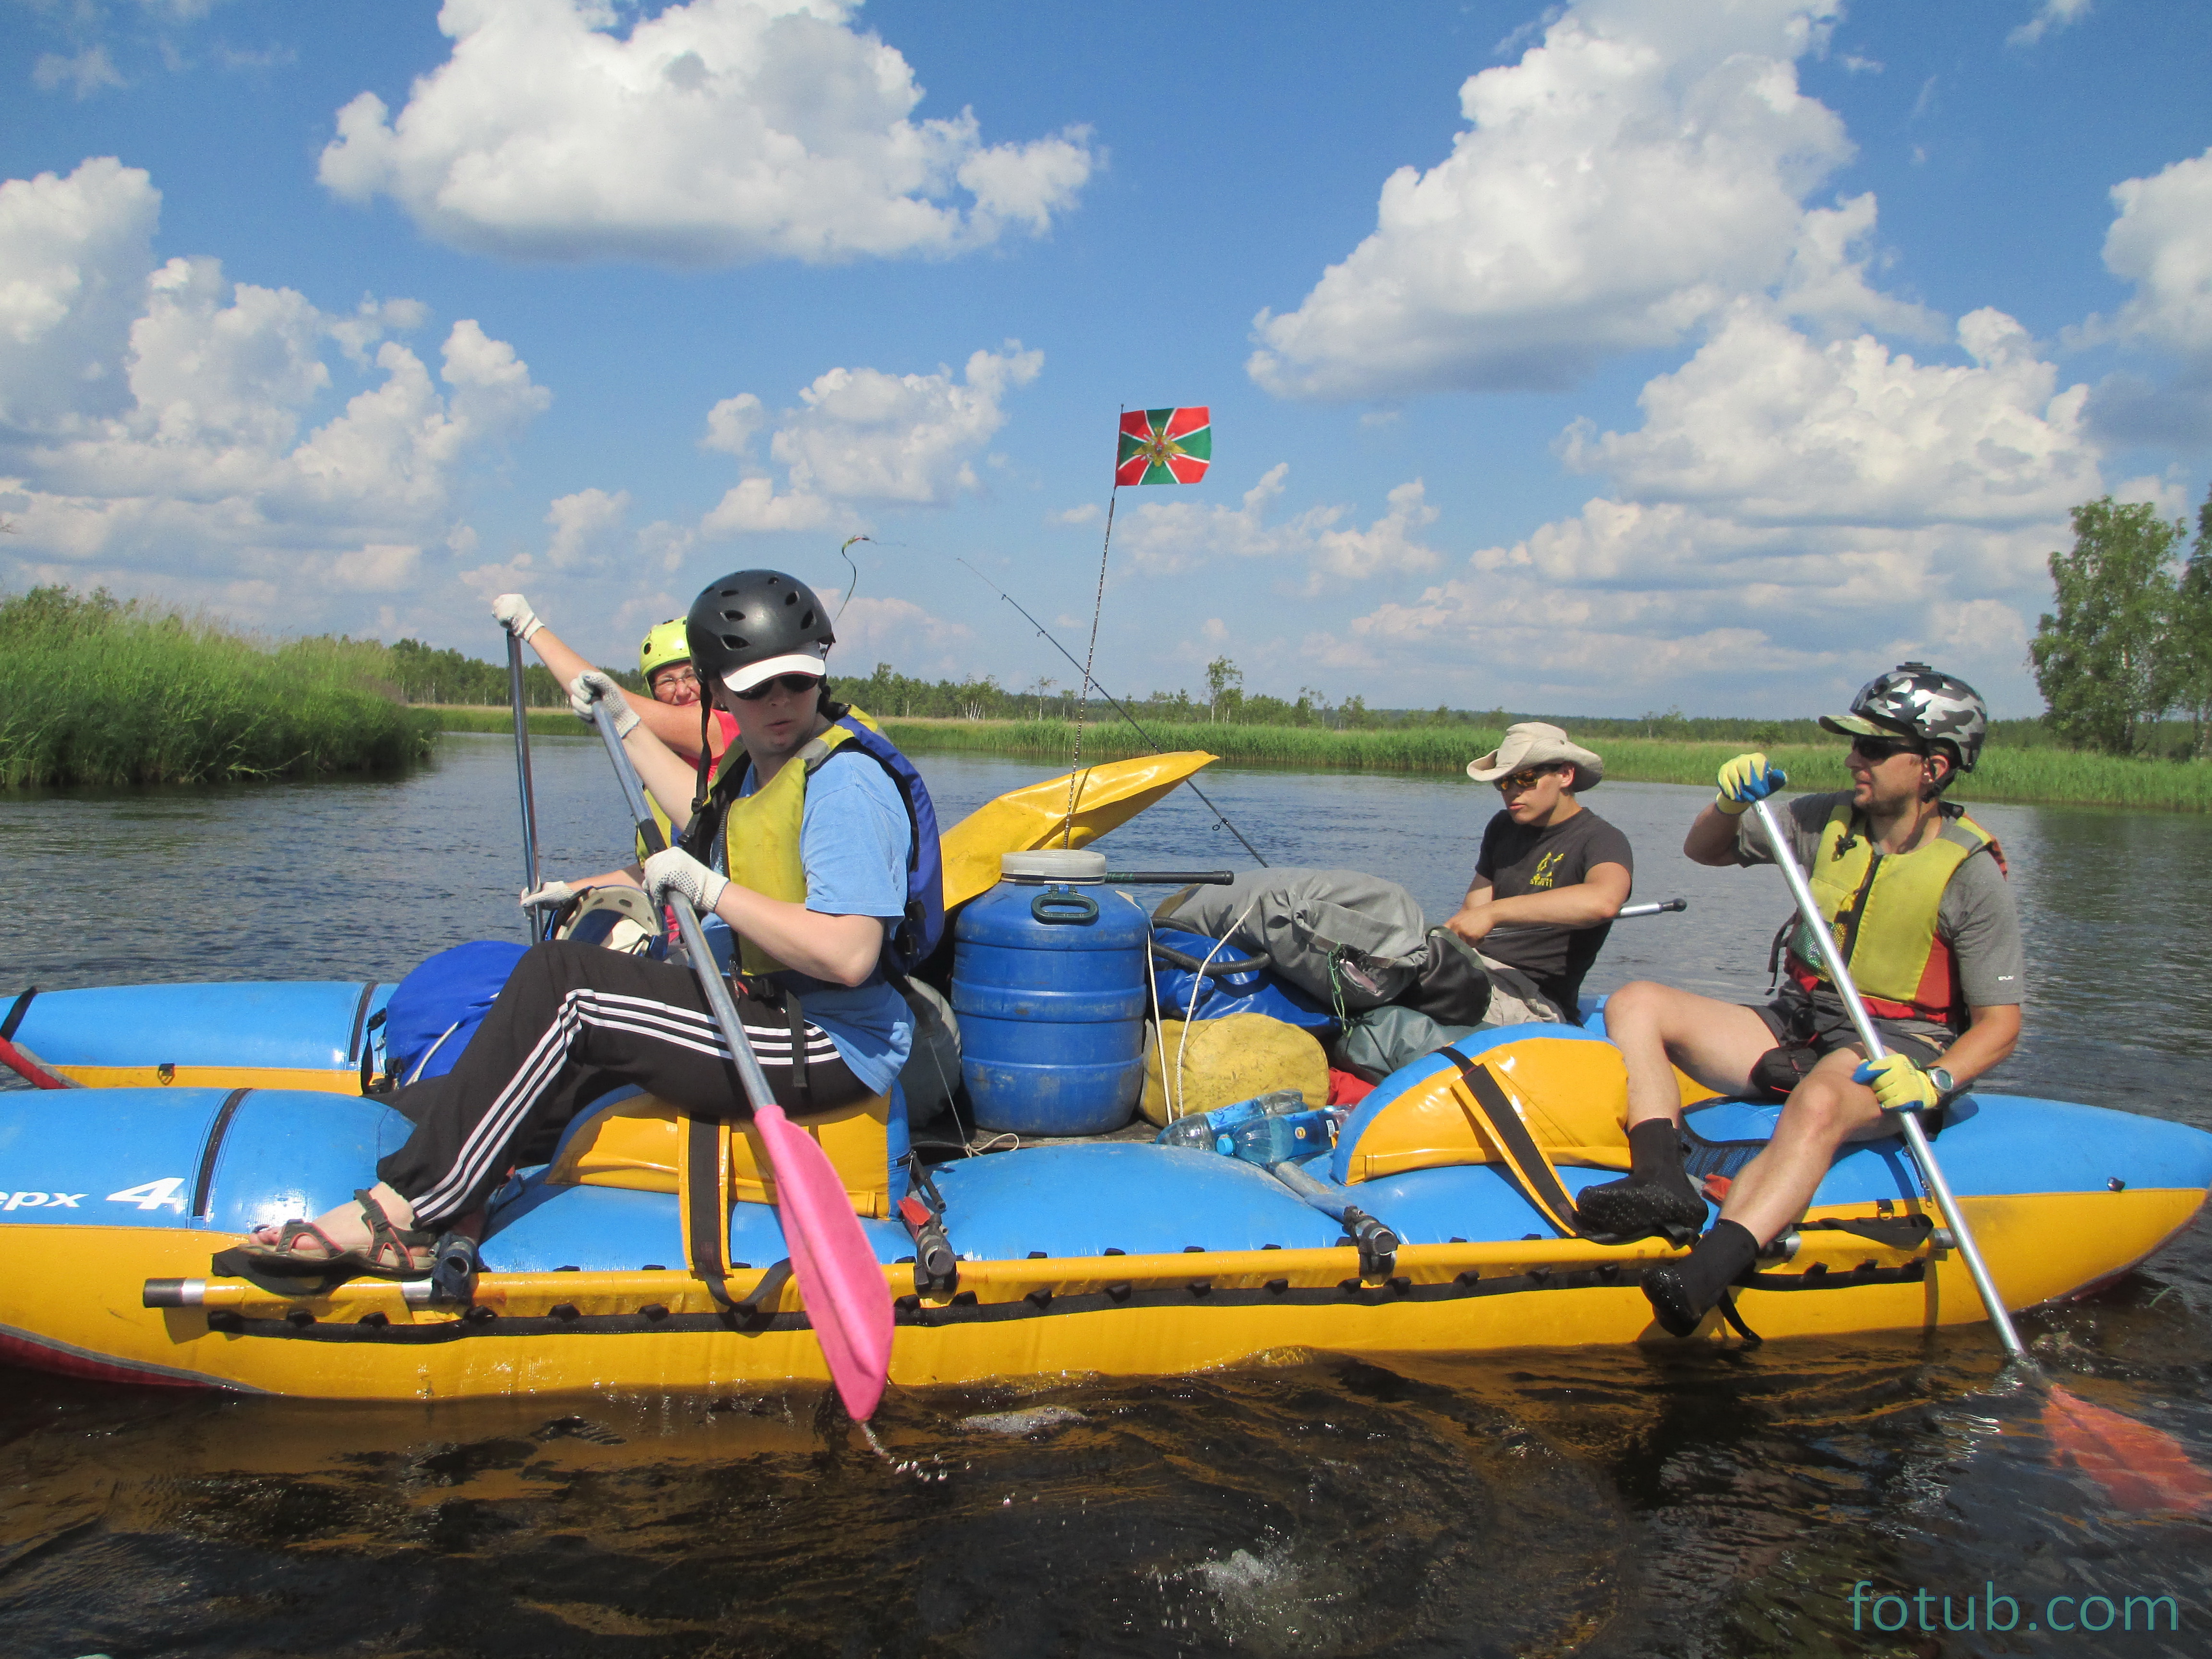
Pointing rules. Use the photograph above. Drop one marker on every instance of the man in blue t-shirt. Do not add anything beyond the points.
(575, 1022)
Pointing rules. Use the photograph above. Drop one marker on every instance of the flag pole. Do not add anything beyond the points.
(1082, 694)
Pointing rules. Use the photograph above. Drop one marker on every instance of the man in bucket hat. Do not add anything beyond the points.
(1550, 878)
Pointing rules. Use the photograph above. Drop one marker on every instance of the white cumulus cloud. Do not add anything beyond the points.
(1166, 537)
(2051, 16)
(1793, 510)
(2162, 242)
(1627, 178)
(863, 436)
(714, 132)
(161, 421)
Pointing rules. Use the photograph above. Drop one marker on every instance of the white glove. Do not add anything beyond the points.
(592, 686)
(551, 896)
(513, 613)
(676, 870)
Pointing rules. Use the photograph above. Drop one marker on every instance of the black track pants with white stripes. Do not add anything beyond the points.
(574, 1023)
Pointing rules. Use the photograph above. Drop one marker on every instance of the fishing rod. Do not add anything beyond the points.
(1043, 634)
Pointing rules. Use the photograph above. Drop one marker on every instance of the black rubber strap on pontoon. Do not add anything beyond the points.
(17, 1010)
(1750, 1339)
(1526, 1166)
(360, 1017)
(709, 1221)
(204, 1183)
(1904, 1232)
(761, 1299)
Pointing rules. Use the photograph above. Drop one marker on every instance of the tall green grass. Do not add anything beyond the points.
(98, 690)
(2040, 774)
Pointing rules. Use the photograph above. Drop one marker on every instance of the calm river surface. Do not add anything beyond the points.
(1716, 1503)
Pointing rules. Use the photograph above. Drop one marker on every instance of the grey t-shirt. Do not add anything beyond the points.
(1976, 918)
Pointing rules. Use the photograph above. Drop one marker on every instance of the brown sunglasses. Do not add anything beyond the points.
(1524, 779)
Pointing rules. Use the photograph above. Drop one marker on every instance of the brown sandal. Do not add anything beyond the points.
(391, 1253)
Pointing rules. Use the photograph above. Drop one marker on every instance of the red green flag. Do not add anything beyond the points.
(1164, 445)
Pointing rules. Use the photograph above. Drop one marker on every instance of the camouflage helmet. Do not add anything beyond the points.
(1915, 700)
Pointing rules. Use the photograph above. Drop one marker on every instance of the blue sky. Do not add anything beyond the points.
(1594, 359)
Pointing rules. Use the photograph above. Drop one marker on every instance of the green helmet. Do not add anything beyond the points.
(664, 646)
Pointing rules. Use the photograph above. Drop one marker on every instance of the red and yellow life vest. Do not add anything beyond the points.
(1881, 908)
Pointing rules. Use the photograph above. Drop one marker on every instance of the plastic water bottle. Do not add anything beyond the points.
(1275, 1139)
(1215, 1131)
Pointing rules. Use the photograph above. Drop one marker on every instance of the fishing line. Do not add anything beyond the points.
(854, 586)
(1112, 701)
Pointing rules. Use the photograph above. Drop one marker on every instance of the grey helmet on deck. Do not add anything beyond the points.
(1915, 700)
(752, 625)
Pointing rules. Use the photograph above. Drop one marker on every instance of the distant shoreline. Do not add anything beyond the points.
(2041, 775)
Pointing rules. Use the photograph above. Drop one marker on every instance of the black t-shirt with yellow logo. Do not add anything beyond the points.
(1537, 859)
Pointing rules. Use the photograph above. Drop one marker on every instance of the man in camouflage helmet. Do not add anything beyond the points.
(1914, 892)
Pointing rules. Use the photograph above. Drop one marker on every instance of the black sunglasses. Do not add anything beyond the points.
(794, 682)
(1878, 749)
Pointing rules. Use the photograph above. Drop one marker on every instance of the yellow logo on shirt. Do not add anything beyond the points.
(1544, 866)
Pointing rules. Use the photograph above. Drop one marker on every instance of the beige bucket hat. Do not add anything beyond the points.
(1534, 743)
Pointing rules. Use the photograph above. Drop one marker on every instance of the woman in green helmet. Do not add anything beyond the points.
(672, 714)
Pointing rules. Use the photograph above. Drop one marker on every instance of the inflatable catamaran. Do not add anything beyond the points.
(646, 1255)
(1120, 1259)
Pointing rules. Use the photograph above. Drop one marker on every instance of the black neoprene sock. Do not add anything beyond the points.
(1656, 1193)
(1654, 1155)
(1682, 1291)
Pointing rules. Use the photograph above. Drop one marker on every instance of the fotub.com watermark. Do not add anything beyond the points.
(1991, 1610)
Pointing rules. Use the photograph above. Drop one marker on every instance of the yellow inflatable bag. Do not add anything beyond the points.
(1037, 816)
(1228, 1059)
(640, 1145)
(1571, 1095)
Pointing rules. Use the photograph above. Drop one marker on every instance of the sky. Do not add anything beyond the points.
(1594, 359)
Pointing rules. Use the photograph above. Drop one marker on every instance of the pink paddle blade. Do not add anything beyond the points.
(2139, 1467)
(840, 1280)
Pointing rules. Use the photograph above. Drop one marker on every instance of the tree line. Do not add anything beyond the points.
(2130, 641)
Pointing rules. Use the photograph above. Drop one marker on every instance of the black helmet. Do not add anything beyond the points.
(1914, 701)
(754, 625)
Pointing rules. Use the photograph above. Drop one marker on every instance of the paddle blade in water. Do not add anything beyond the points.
(840, 1280)
(2138, 1467)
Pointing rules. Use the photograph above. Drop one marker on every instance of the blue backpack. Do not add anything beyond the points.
(435, 1010)
(1246, 987)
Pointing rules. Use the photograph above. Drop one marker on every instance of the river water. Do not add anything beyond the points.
(1715, 1502)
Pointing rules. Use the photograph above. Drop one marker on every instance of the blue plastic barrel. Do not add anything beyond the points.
(1048, 985)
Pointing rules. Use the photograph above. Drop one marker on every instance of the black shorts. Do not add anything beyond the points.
(1805, 1034)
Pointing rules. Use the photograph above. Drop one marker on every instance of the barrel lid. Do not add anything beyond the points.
(1057, 864)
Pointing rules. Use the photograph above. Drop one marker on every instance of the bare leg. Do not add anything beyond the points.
(1824, 1111)
(1657, 1028)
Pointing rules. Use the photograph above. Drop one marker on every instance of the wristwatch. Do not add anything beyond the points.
(1943, 1080)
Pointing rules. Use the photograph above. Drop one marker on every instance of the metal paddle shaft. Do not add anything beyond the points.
(1658, 907)
(1931, 1172)
(531, 882)
(846, 1298)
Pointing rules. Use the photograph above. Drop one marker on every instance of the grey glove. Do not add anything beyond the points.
(513, 613)
(676, 870)
(551, 896)
(592, 686)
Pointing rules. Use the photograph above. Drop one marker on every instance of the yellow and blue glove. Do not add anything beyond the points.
(1745, 779)
(1899, 1085)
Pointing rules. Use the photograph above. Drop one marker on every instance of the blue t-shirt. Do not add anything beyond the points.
(853, 842)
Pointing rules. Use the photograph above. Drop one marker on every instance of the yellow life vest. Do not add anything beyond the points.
(761, 831)
(1881, 908)
(660, 817)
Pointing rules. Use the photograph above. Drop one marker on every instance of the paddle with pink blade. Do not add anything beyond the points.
(847, 1298)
